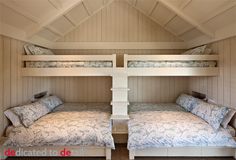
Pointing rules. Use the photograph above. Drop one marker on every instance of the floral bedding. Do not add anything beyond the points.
(66, 127)
(157, 64)
(161, 128)
(97, 64)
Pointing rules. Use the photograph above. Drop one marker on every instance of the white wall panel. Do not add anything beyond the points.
(15, 89)
(222, 88)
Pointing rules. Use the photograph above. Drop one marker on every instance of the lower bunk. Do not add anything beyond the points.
(169, 130)
(69, 130)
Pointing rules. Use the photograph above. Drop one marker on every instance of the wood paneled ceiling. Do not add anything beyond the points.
(45, 21)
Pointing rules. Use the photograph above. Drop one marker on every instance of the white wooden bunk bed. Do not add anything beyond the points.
(54, 135)
(171, 65)
(165, 65)
(68, 65)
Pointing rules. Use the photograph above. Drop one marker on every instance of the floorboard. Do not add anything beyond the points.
(121, 153)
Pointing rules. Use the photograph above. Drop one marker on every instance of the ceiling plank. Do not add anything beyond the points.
(219, 11)
(51, 29)
(187, 18)
(14, 7)
(53, 17)
(55, 3)
(89, 16)
(153, 19)
(86, 8)
(152, 10)
(185, 4)
(70, 20)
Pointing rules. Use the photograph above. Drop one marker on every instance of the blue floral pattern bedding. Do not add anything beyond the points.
(157, 64)
(66, 127)
(86, 64)
(153, 129)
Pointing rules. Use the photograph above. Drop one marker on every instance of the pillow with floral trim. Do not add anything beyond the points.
(211, 113)
(51, 102)
(186, 101)
(29, 113)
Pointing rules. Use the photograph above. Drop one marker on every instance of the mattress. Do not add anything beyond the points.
(159, 64)
(69, 124)
(86, 64)
(173, 128)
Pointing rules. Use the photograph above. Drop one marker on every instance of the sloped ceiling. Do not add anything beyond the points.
(46, 21)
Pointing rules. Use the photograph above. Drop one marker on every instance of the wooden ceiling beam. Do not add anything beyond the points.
(86, 8)
(53, 17)
(55, 3)
(153, 8)
(219, 11)
(15, 8)
(185, 4)
(188, 19)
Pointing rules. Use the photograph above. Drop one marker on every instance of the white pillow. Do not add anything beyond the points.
(51, 102)
(36, 50)
(228, 117)
(28, 114)
(195, 51)
(15, 120)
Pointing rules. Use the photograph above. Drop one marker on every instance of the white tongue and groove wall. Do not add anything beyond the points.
(118, 22)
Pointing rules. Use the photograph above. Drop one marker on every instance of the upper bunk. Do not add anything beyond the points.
(171, 65)
(186, 64)
(43, 62)
(194, 62)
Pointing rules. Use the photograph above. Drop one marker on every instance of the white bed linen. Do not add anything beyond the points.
(69, 125)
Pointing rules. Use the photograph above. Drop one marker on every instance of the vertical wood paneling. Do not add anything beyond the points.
(221, 89)
(156, 89)
(1, 86)
(82, 89)
(6, 75)
(15, 89)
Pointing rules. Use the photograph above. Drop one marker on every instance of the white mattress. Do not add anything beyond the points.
(86, 64)
(159, 64)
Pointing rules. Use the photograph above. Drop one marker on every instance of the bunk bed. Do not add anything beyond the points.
(61, 132)
(171, 65)
(68, 65)
(169, 130)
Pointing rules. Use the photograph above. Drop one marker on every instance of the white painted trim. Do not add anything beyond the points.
(179, 71)
(170, 57)
(67, 57)
(10, 31)
(77, 151)
(50, 72)
(226, 32)
(119, 45)
(187, 18)
(120, 117)
(183, 152)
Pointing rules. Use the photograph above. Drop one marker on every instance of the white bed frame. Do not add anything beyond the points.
(184, 152)
(76, 151)
(171, 71)
(82, 71)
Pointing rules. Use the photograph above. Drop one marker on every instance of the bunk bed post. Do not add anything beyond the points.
(108, 153)
(125, 60)
(131, 155)
(114, 60)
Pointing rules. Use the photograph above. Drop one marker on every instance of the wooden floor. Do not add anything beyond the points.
(121, 153)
